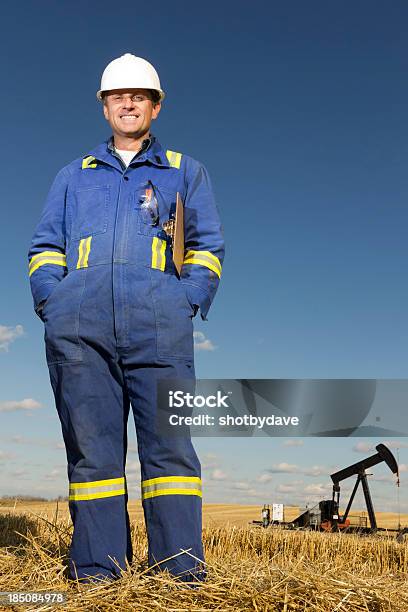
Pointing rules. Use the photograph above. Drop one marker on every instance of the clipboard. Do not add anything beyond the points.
(178, 238)
(174, 228)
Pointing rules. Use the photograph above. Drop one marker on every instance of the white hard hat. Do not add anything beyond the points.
(129, 71)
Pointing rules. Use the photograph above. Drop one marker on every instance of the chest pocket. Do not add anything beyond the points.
(88, 211)
(153, 206)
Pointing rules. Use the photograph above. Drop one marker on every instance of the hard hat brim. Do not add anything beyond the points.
(102, 91)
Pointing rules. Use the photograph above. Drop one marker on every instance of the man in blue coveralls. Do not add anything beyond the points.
(118, 318)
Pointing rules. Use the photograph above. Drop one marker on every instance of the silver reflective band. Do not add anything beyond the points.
(172, 485)
(113, 487)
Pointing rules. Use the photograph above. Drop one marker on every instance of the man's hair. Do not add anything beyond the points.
(154, 96)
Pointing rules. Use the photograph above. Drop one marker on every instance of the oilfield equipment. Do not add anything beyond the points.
(325, 515)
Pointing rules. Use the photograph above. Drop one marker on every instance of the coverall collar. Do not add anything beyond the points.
(151, 150)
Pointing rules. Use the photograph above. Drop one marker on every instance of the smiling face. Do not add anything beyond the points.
(130, 112)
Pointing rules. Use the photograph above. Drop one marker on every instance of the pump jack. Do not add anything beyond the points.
(325, 515)
(359, 468)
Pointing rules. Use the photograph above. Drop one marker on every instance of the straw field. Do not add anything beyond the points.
(248, 568)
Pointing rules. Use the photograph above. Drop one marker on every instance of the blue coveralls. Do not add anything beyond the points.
(118, 318)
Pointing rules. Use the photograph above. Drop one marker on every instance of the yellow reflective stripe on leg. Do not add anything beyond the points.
(174, 158)
(158, 254)
(172, 492)
(171, 485)
(99, 489)
(46, 257)
(86, 162)
(204, 258)
(161, 479)
(89, 496)
(84, 249)
(98, 483)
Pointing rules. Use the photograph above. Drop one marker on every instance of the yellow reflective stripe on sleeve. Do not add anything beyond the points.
(87, 162)
(171, 485)
(158, 254)
(204, 258)
(174, 158)
(99, 489)
(84, 249)
(46, 253)
(46, 257)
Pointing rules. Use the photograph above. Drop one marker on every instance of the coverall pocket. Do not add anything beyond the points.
(61, 320)
(87, 211)
(153, 204)
(173, 312)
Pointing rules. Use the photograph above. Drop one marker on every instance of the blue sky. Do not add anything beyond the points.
(298, 110)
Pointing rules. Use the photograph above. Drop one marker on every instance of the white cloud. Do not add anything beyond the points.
(4, 456)
(8, 335)
(288, 468)
(53, 475)
(19, 473)
(288, 488)
(209, 461)
(15, 405)
(293, 442)
(218, 474)
(297, 492)
(363, 447)
(264, 478)
(283, 467)
(41, 442)
(201, 343)
(395, 444)
(366, 447)
(240, 486)
(318, 489)
(315, 470)
(383, 478)
(253, 493)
